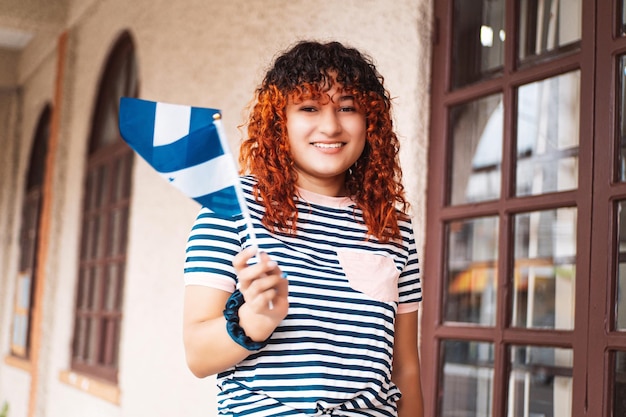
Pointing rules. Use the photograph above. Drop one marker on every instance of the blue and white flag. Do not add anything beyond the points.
(184, 144)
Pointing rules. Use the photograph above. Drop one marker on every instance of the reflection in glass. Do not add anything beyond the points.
(540, 383)
(548, 114)
(623, 26)
(478, 40)
(621, 80)
(620, 293)
(476, 129)
(619, 384)
(545, 265)
(471, 271)
(548, 25)
(467, 382)
(19, 335)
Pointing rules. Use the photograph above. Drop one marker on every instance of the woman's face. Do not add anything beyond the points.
(326, 137)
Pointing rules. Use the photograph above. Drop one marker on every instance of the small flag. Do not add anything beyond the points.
(184, 145)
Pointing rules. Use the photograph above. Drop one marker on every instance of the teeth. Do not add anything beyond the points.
(328, 145)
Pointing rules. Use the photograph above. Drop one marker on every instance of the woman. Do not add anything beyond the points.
(322, 318)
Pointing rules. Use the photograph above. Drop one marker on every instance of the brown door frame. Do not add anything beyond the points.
(433, 329)
(607, 191)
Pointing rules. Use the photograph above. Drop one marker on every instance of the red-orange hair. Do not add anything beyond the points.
(308, 70)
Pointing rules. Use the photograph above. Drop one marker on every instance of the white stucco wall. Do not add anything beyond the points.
(205, 53)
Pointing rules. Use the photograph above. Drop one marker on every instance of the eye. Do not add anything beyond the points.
(347, 109)
(308, 109)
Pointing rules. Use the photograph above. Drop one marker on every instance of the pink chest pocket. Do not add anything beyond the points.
(371, 274)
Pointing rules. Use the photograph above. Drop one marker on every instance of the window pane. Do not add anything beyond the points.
(29, 229)
(540, 383)
(471, 271)
(466, 386)
(115, 346)
(109, 352)
(19, 337)
(476, 132)
(95, 289)
(91, 191)
(478, 40)
(83, 274)
(119, 79)
(92, 341)
(80, 341)
(23, 291)
(545, 259)
(548, 135)
(103, 186)
(112, 287)
(623, 26)
(121, 176)
(619, 384)
(21, 316)
(118, 226)
(622, 118)
(547, 25)
(620, 293)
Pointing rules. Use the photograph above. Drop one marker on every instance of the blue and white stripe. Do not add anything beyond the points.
(333, 352)
(183, 144)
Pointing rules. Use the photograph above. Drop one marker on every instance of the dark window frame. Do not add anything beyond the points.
(581, 56)
(605, 341)
(106, 210)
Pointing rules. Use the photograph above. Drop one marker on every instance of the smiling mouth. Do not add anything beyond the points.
(328, 145)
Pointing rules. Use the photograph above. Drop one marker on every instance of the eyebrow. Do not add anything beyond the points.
(342, 98)
(346, 97)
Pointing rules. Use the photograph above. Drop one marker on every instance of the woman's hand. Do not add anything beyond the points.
(208, 346)
(265, 290)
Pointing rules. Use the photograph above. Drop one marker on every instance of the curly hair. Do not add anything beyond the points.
(308, 70)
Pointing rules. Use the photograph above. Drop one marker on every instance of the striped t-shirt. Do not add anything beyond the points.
(332, 354)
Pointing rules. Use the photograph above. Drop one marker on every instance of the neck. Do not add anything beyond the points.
(331, 187)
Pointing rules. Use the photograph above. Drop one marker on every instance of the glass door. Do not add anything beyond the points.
(507, 271)
(607, 318)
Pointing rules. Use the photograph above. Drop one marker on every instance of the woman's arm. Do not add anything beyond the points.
(208, 346)
(406, 366)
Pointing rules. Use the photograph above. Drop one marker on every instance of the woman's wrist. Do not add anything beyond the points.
(259, 328)
(234, 327)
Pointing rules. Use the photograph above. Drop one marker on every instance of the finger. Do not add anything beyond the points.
(281, 291)
(267, 300)
(262, 268)
(240, 261)
(270, 267)
(262, 284)
(263, 290)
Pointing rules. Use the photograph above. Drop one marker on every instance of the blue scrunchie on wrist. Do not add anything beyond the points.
(236, 332)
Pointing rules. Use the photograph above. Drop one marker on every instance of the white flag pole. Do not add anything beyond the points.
(217, 120)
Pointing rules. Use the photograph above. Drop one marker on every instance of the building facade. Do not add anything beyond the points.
(91, 238)
(511, 116)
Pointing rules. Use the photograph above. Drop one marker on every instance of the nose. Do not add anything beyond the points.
(330, 124)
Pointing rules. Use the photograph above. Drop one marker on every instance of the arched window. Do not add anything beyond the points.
(102, 264)
(31, 208)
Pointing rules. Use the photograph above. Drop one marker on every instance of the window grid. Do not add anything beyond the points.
(102, 259)
(516, 72)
